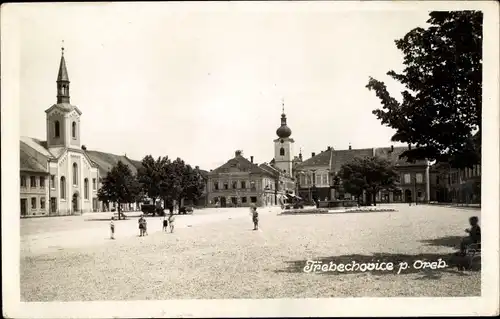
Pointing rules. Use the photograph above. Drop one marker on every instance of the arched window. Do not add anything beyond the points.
(75, 174)
(57, 129)
(282, 151)
(73, 129)
(86, 188)
(63, 187)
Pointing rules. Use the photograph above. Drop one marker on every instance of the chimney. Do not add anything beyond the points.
(392, 148)
(238, 153)
(197, 167)
(328, 148)
(251, 159)
(84, 147)
(350, 147)
(313, 154)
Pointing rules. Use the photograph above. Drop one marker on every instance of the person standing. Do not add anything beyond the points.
(165, 223)
(141, 226)
(255, 218)
(171, 220)
(112, 227)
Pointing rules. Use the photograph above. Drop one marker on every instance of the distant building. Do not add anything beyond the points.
(453, 185)
(241, 182)
(315, 175)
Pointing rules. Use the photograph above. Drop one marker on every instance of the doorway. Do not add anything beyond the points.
(408, 196)
(75, 202)
(223, 202)
(24, 206)
(53, 206)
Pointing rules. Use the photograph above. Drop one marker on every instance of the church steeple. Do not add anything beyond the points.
(62, 80)
(283, 131)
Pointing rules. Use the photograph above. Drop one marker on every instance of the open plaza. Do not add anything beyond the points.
(214, 253)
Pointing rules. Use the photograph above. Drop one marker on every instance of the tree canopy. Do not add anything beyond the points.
(119, 186)
(441, 105)
(370, 174)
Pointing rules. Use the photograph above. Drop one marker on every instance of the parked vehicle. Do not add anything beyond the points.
(186, 210)
(149, 209)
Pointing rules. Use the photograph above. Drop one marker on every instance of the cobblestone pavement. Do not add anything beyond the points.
(216, 254)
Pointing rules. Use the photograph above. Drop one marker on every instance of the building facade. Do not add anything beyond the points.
(453, 185)
(316, 175)
(59, 176)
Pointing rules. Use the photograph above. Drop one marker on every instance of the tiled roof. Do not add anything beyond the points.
(342, 157)
(29, 163)
(106, 161)
(322, 159)
(37, 145)
(269, 169)
(241, 163)
(393, 156)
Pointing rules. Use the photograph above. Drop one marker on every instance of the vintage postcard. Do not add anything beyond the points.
(250, 159)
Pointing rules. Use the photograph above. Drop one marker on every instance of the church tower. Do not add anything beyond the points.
(283, 146)
(63, 119)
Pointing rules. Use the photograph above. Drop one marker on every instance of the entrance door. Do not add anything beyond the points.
(75, 202)
(408, 196)
(53, 206)
(24, 206)
(223, 202)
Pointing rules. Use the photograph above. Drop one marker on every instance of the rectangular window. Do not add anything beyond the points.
(420, 178)
(32, 181)
(235, 184)
(42, 202)
(243, 200)
(23, 181)
(216, 186)
(318, 179)
(52, 181)
(94, 184)
(253, 199)
(302, 180)
(33, 202)
(42, 181)
(226, 185)
(407, 178)
(243, 185)
(252, 185)
(325, 179)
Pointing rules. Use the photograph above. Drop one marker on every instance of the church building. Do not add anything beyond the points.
(58, 175)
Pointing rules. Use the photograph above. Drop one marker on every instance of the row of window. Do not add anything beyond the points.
(234, 185)
(419, 178)
(463, 174)
(57, 129)
(237, 200)
(319, 179)
(33, 181)
(85, 187)
(34, 203)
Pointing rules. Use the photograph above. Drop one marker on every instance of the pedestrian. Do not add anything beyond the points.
(141, 226)
(145, 227)
(255, 217)
(171, 220)
(112, 226)
(165, 223)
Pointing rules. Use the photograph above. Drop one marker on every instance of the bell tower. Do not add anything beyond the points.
(283, 146)
(63, 119)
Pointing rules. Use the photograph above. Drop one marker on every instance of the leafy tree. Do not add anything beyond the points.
(119, 186)
(370, 174)
(441, 106)
(187, 183)
(153, 176)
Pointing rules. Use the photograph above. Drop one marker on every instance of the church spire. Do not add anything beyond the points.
(62, 80)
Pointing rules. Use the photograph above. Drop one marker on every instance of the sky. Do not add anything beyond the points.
(199, 81)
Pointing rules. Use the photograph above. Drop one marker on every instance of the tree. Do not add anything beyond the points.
(441, 106)
(187, 183)
(119, 186)
(370, 174)
(153, 176)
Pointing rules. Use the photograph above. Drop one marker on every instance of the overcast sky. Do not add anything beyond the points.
(199, 82)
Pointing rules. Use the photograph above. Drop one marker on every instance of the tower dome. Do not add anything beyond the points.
(283, 131)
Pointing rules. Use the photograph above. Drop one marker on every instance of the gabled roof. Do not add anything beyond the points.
(322, 159)
(240, 163)
(269, 169)
(30, 163)
(37, 145)
(342, 157)
(106, 161)
(392, 155)
(65, 107)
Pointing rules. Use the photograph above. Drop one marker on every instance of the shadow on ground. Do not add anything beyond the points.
(443, 263)
(448, 241)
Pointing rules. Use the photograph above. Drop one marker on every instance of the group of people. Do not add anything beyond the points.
(143, 224)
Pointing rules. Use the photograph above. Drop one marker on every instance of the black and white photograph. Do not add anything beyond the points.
(250, 159)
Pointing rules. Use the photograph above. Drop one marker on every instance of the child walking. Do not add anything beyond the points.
(165, 223)
(255, 218)
(112, 226)
(171, 220)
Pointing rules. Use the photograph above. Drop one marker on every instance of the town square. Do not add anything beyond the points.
(219, 152)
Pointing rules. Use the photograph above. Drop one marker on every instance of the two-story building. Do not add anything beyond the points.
(316, 175)
(454, 185)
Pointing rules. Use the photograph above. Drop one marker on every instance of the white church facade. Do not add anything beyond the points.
(59, 176)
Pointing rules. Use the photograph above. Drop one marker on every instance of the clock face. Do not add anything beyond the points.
(281, 141)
